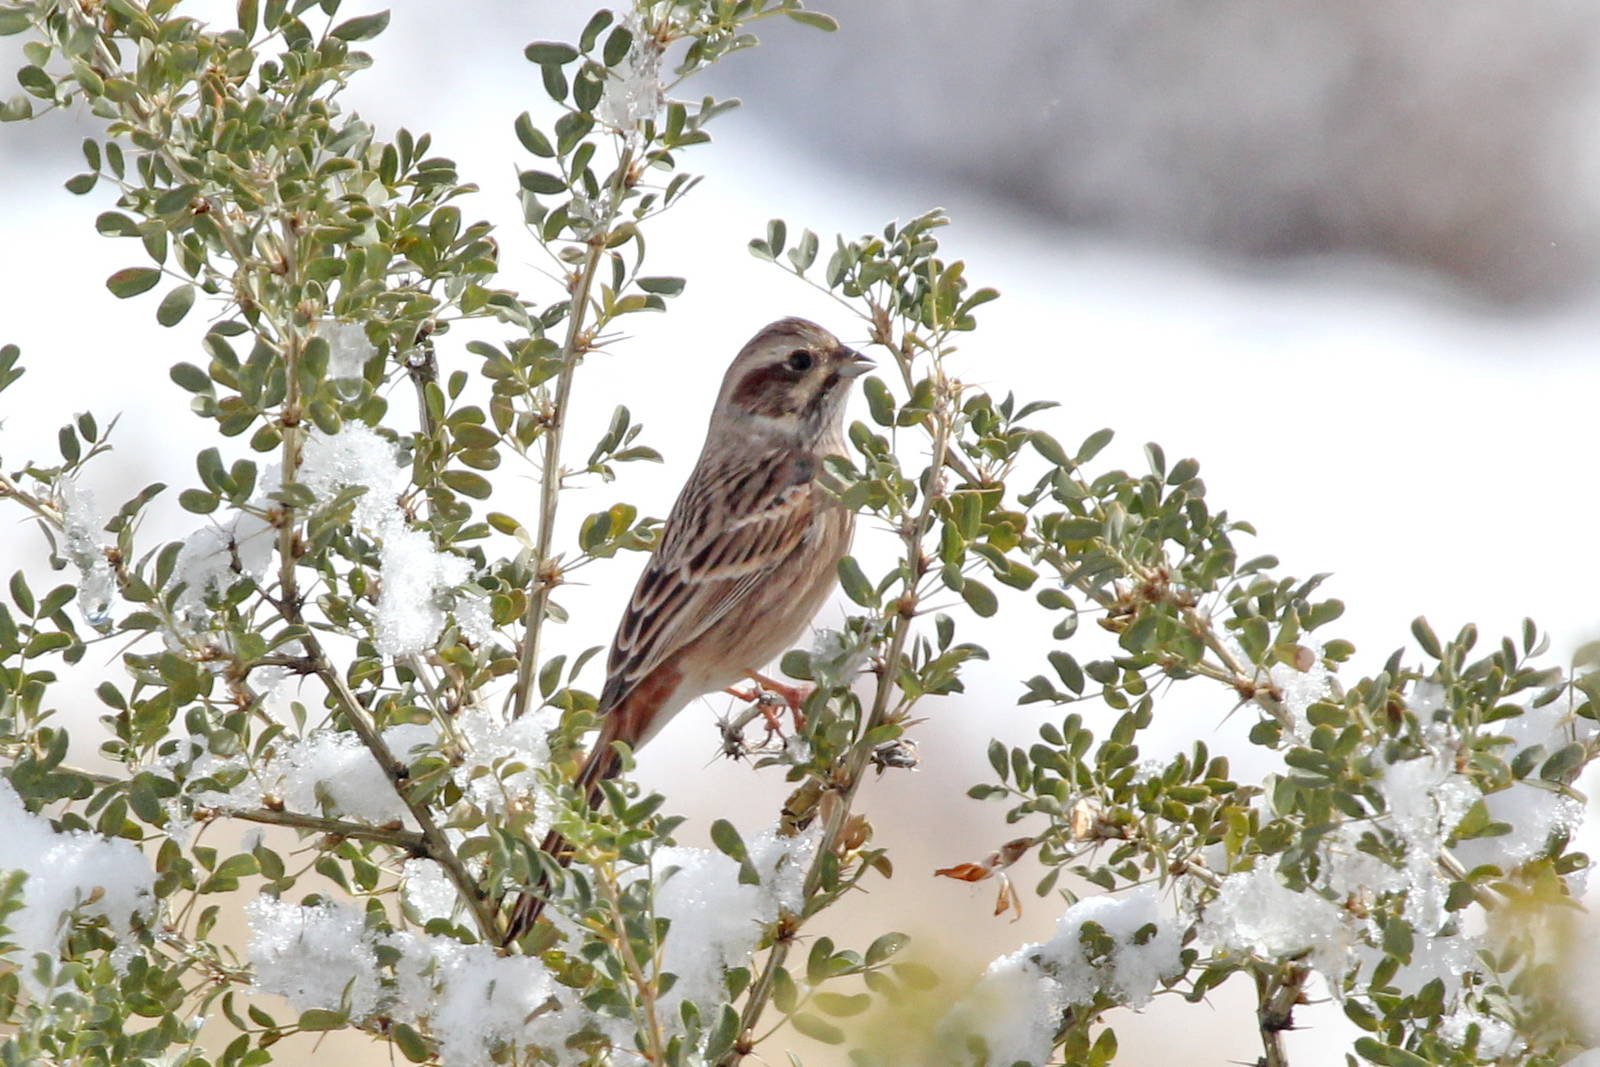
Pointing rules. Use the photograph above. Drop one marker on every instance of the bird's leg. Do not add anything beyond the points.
(768, 691)
(764, 701)
(795, 696)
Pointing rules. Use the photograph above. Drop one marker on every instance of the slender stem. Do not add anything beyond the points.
(289, 422)
(1277, 995)
(551, 476)
(1261, 695)
(646, 985)
(436, 846)
(388, 835)
(423, 370)
(44, 510)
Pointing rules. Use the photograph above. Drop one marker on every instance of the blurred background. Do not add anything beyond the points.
(1345, 255)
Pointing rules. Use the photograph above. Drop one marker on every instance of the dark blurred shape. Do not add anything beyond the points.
(1453, 135)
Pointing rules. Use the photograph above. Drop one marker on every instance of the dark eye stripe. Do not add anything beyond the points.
(765, 390)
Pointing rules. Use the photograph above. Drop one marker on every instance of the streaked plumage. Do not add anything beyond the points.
(746, 557)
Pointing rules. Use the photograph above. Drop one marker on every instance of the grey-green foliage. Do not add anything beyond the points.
(432, 733)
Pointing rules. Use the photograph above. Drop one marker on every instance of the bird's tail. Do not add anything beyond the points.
(603, 762)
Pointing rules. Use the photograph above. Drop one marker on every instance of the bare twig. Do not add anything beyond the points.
(551, 474)
(398, 836)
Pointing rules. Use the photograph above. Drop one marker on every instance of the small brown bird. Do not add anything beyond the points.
(747, 556)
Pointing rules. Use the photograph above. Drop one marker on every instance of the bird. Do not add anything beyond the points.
(745, 559)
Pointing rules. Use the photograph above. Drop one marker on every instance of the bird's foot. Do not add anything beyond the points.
(767, 695)
(766, 703)
(794, 696)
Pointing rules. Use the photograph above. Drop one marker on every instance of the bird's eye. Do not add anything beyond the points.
(799, 360)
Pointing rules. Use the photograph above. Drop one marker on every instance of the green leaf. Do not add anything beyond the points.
(1049, 448)
(36, 81)
(537, 181)
(1092, 445)
(723, 1034)
(322, 1019)
(663, 286)
(727, 840)
(855, 583)
(190, 378)
(362, 27)
(813, 1027)
(842, 1006)
(1426, 637)
(198, 501)
(980, 598)
(884, 947)
(1565, 763)
(532, 138)
(411, 1043)
(115, 224)
(999, 759)
(591, 33)
(131, 281)
(175, 305)
(916, 975)
(467, 483)
(618, 43)
(815, 19)
(550, 52)
(880, 403)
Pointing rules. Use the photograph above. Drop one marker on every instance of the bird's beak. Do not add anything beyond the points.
(853, 364)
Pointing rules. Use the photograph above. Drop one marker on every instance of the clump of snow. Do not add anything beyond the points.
(427, 889)
(838, 656)
(1535, 815)
(68, 873)
(1449, 958)
(84, 525)
(1254, 913)
(501, 758)
(1535, 810)
(1017, 1005)
(472, 1000)
(316, 957)
(217, 555)
(1427, 800)
(348, 349)
(633, 92)
(716, 922)
(354, 457)
(1301, 684)
(325, 770)
(475, 619)
(418, 580)
(1496, 1038)
(1016, 1010)
(1302, 688)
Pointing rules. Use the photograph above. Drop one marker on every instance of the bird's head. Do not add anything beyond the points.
(790, 381)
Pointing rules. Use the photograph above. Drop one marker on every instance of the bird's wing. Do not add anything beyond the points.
(732, 526)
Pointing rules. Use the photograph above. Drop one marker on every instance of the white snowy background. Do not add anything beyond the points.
(1409, 403)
